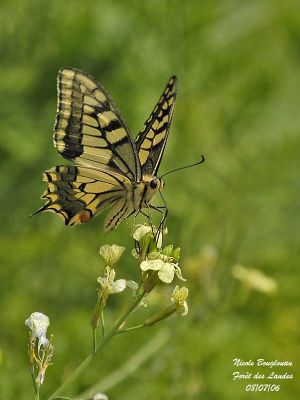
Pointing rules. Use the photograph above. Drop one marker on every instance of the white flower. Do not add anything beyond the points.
(166, 270)
(254, 279)
(109, 285)
(179, 297)
(111, 253)
(141, 231)
(38, 323)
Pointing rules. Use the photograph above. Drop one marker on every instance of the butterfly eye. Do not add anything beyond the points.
(153, 184)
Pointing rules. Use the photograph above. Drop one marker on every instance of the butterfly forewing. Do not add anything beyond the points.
(152, 140)
(89, 129)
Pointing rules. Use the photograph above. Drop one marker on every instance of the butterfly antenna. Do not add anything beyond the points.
(186, 166)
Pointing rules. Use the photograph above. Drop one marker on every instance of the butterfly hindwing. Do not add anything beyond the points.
(77, 193)
(152, 140)
(89, 129)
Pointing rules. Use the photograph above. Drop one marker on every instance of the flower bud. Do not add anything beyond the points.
(167, 250)
(179, 297)
(176, 254)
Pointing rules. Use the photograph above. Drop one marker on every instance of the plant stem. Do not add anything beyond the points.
(102, 323)
(94, 340)
(37, 393)
(81, 367)
(34, 382)
(129, 367)
(36, 387)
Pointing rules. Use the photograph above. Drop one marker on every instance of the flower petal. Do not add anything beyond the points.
(178, 272)
(140, 232)
(154, 265)
(103, 281)
(111, 253)
(184, 309)
(166, 273)
(180, 295)
(118, 286)
(132, 285)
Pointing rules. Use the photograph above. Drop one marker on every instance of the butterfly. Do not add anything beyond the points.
(111, 170)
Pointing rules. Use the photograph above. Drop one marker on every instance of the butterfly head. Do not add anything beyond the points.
(152, 185)
(156, 183)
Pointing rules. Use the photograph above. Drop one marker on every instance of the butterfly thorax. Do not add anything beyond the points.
(142, 192)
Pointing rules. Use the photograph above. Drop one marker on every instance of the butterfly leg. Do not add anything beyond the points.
(164, 211)
(149, 217)
(135, 214)
(134, 218)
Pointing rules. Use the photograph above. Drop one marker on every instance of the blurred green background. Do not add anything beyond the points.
(238, 65)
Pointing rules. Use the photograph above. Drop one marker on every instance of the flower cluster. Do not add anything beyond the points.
(156, 263)
(108, 285)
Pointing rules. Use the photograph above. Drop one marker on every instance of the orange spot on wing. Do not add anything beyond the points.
(84, 216)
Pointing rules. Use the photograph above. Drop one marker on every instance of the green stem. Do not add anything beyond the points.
(129, 367)
(37, 393)
(94, 340)
(82, 366)
(102, 323)
(36, 387)
(34, 382)
(63, 398)
(121, 320)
